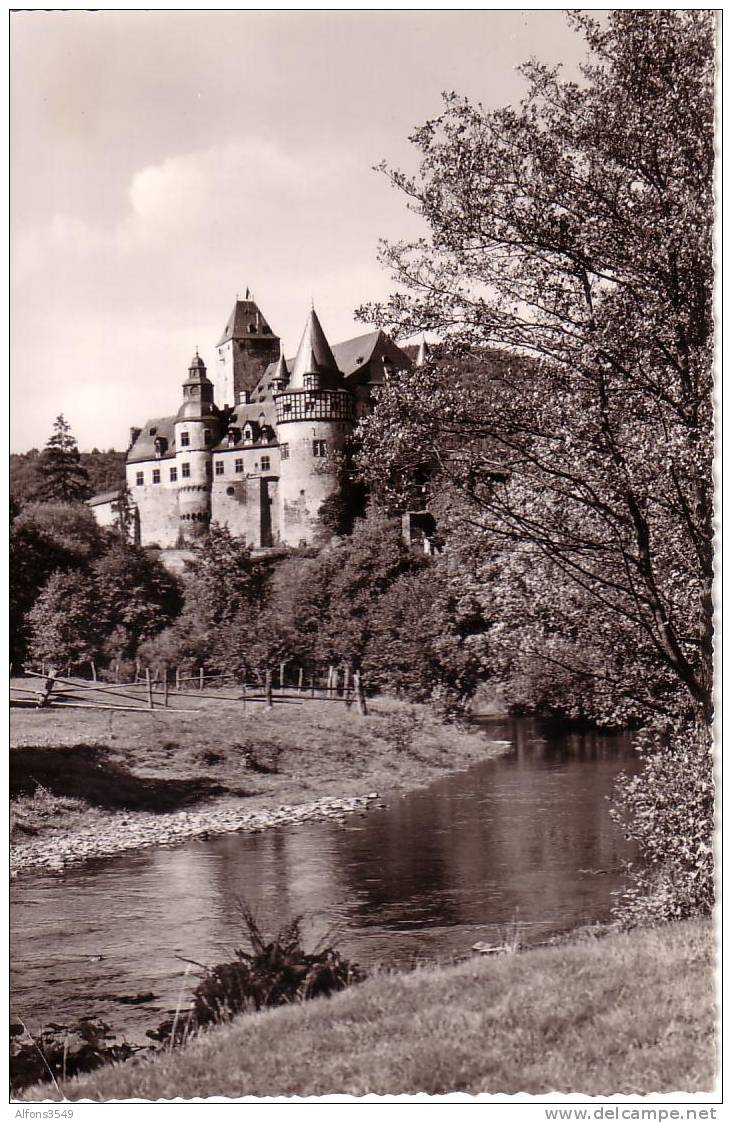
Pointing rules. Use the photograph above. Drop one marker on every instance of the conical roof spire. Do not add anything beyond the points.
(281, 373)
(314, 355)
(422, 352)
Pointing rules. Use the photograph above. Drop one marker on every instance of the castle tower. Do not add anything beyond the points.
(246, 348)
(196, 432)
(314, 421)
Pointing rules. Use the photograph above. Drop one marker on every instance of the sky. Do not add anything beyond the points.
(162, 162)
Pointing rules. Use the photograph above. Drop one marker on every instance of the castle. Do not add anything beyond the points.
(255, 448)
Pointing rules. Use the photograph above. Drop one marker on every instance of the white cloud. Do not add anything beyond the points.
(105, 318)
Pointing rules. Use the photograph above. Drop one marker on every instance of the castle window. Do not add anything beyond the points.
(140, 479)
(320, 448)
(156, 475)
(185, 470)
(173, 475)
(287, 407)
(219, 467)
(209, 469)
(265, 464)
(185, 440)
(230, 491)
(239, 466)
(207, 436)
(284, 452)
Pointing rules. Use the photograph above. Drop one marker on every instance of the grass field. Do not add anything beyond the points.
(69, 766)
(628, 1014)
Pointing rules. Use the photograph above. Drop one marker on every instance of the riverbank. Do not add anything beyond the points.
(88, 783)
(629, 1014)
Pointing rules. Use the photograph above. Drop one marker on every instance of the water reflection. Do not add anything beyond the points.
(523, 839)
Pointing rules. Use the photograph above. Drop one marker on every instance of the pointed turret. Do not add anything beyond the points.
(314, 357)
(281, 375)
(422, 353)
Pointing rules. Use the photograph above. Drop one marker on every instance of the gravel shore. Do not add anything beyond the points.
(133, 831)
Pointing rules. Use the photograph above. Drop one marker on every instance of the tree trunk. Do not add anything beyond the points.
(268, 689)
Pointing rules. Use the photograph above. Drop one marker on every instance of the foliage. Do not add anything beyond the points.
(432, 655)
(59, 1052)
(33, 558)
(272, 973)
(71, 527)
(60, 474)
(124, 512)
(223, 584)
(574, 234)
(136, 598)
(64, 623)
(105, 470)
(668, 809)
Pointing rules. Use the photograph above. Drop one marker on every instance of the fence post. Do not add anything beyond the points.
(165, 689)
(282, 677)
(244, 697)
(47, 687)
(347, 686)
(177, 678)
(299, 681)
(148, 680)
(93, 666)
(200, 679)
(268, 688)
(116, 670)
(360, 696)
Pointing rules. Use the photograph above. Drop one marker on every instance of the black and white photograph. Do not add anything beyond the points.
(365, 411)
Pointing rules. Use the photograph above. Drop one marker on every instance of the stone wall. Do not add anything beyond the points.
(157, 503)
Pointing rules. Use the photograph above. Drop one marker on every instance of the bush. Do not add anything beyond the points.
(271, 974)
(668, 810)
(60, 1051)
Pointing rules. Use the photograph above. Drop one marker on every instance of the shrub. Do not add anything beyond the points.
(668, 810)
(61, 1051)
(271, 974)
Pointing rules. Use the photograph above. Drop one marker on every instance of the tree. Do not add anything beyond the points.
(64, 621)
(33, 558)
(136, 597)
(70, 526)
(59, 471)
(575, 234)
(223, 589)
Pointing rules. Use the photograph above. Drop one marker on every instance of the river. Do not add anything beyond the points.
(523, 841)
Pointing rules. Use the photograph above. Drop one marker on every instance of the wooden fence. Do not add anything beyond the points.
(150, 691)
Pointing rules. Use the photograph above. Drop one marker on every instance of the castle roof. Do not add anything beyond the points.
(103, 497)
(356, 352)
(246, 322)
(144, 446)
(314, 355)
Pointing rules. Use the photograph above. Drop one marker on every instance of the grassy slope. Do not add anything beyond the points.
(164, 760)
(630, 1013)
